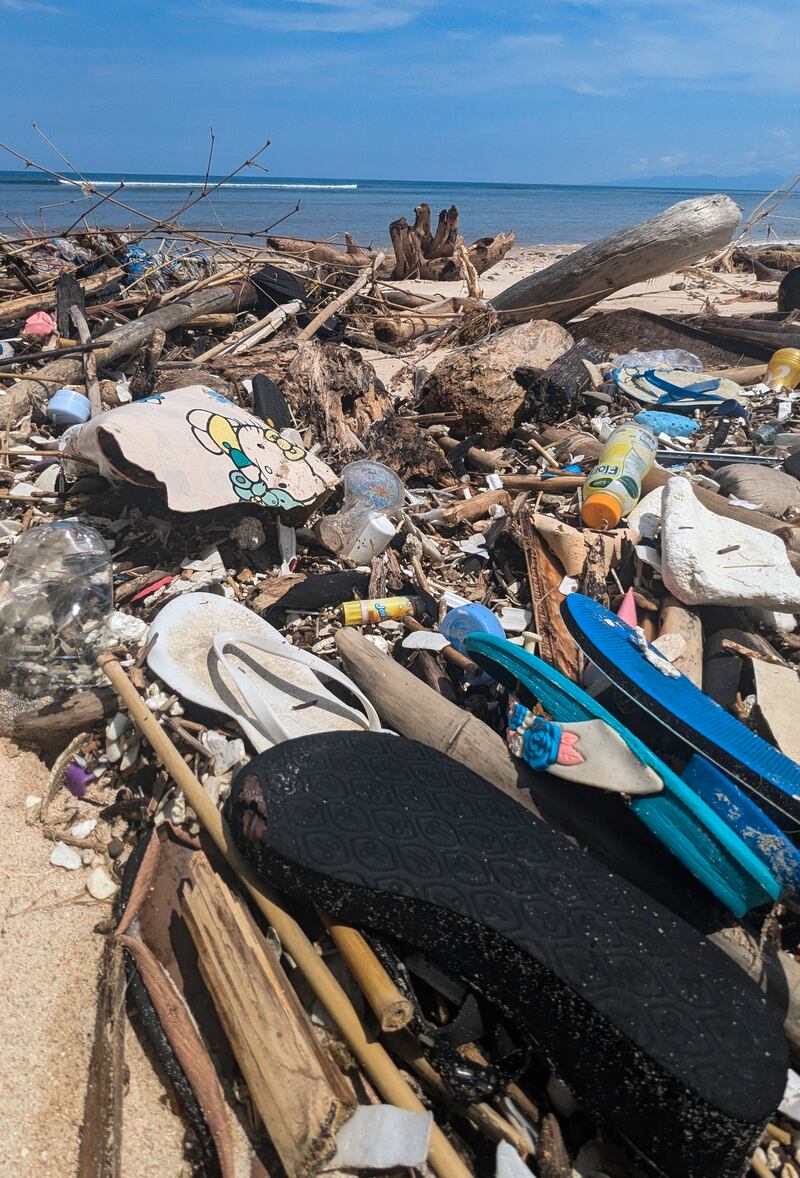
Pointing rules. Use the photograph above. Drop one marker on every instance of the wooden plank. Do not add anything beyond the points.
(557, 647)
(682, 620)
(101, 1133)
(300, 1094)
(778, 701)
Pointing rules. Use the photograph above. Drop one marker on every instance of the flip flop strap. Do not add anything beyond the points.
(700, 388)
(264, 713)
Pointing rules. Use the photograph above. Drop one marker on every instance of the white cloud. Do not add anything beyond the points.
(325, 16)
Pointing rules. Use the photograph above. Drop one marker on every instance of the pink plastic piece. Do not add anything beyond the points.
(627, 609)
(567, 750)
(39, 323)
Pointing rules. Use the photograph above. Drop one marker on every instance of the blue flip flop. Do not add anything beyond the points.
(742, 815)
(766, 774)
(683, 822)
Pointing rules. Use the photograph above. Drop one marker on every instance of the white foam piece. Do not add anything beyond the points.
(380, 1137)
(709, 560)
(508, 1163)
(425, 640)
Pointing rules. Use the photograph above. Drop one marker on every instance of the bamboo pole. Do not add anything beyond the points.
(392, 1010)
(371, 1055)
(262, 328)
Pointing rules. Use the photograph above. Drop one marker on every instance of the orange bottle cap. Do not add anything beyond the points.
(601, 511)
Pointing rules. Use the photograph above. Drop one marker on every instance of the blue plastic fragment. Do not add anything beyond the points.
(730, 408)
(672, 424)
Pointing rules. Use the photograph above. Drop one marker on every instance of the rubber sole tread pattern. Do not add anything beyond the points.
(653, 1029)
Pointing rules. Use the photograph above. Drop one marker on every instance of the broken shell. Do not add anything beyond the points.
(101, 885)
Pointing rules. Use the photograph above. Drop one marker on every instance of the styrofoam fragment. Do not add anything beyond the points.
(515, 620)
(709, 560)
(381, 1137)
(425, 640)
(508, 1163)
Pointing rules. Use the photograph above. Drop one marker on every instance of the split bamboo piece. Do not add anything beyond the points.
(341, 300)
(372, 1056)
(89, 361)
(252, 334)
(300, 1095)
(392, 1010)
(101, 1134)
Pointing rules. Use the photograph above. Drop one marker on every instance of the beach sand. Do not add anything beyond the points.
(49, 952)
(684, 293)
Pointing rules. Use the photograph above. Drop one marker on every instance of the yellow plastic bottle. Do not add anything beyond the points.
(614, 486)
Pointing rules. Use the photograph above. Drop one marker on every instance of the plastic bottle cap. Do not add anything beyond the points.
(601, 511)
(351, 612)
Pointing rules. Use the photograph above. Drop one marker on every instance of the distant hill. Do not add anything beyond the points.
(755, 182)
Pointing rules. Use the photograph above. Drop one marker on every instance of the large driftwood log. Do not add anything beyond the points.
(418, 251)
(123, 341)
(480, 383)
(353, 258)
(682, 234)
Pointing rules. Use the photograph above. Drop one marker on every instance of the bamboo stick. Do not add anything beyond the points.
(266, 326)
(372, 1056)
(482, 1116)
(392, 1010)
(89, 360)
(343, 299)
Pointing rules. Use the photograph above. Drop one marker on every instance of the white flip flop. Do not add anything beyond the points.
(588, 752)
(223, 656)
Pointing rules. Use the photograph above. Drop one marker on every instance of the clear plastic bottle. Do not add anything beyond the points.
(614, 486)
(56, 595)
(363, 529)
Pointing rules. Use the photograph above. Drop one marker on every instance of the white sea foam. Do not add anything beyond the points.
(199, 184)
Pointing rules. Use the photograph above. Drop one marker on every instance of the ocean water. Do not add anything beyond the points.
(539, 213)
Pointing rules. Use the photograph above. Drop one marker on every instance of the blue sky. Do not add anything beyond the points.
(574, 91)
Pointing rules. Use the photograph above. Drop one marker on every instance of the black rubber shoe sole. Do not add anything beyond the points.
(654, 1030)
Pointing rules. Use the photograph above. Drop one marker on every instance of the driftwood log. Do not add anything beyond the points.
(402, 329)
(332, 391)
(419, 252)
(682, 234)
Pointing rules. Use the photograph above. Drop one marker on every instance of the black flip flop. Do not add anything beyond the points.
(656, 1032)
